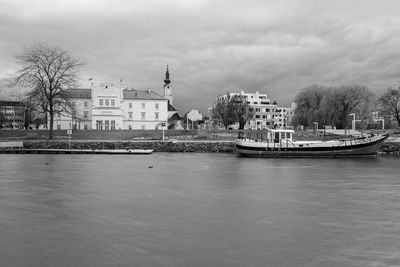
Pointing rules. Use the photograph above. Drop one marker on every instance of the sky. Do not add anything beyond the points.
(212, 47)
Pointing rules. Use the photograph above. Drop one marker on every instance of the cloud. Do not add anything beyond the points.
(275, 47)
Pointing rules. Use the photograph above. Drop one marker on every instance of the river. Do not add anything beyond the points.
(193, 209)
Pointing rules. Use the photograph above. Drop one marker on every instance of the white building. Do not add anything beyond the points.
(106, 107)
(266, 113)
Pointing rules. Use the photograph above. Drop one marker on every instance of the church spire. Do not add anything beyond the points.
(167, 80)
(167, 87)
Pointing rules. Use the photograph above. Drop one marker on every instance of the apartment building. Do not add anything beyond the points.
(266, 113)
(12, 114)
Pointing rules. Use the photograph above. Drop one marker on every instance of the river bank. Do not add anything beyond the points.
(159, 146)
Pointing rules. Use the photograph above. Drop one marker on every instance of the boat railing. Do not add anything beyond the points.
(289, 141)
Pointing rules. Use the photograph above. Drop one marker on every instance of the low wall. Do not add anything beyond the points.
(115, 134)
(218, 147)
(390, 147)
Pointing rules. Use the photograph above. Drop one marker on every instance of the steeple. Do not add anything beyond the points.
(167, 87)
(167, 80)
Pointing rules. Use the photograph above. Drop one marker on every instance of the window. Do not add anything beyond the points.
(106, 125)
(99, 125)
(112, 102)
(157, 106)
(257, 116)
(100, 102)
(106, 102)
(130, 105)
(143, 105)
(85, 104)
(156, 115)
(130, 115)
(257, 110)
(112, 125)
(143, 115)
(58, 127)
(85, 114)
(130, 127)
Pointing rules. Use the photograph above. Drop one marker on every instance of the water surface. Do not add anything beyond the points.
(177, 209)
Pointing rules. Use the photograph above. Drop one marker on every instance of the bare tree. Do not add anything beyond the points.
(389, 103)
(309, 102)
(345, 99)
(241, 110)
(49, 71)
(222, 111)
(331, 105)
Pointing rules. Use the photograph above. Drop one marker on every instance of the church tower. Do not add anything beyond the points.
(167, 87)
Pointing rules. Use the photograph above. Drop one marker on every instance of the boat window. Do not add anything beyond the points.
(282, 135)
(288, 136)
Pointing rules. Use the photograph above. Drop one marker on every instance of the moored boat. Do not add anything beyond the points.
(280, 143)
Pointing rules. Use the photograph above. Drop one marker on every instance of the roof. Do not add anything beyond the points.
(12, 103)
(78, 93)
(176, 117)
(170, 107)
(141, 94)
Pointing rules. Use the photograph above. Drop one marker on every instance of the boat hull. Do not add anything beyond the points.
(366, 149)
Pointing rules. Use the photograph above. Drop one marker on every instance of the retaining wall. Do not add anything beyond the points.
(218, 147)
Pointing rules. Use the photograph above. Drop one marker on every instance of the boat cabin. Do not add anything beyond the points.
(273, 136)
(281, 134)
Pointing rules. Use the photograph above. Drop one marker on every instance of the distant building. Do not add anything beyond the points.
(109, 107)
(106, 107)
(12, 114)
(267, 113)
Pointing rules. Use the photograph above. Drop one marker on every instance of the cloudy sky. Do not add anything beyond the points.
(214, 46)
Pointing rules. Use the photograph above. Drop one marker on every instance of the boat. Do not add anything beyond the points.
(280, 143)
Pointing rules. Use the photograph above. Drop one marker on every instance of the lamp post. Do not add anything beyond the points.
(163, 129)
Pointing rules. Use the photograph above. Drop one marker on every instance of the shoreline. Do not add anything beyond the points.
(193, 146)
